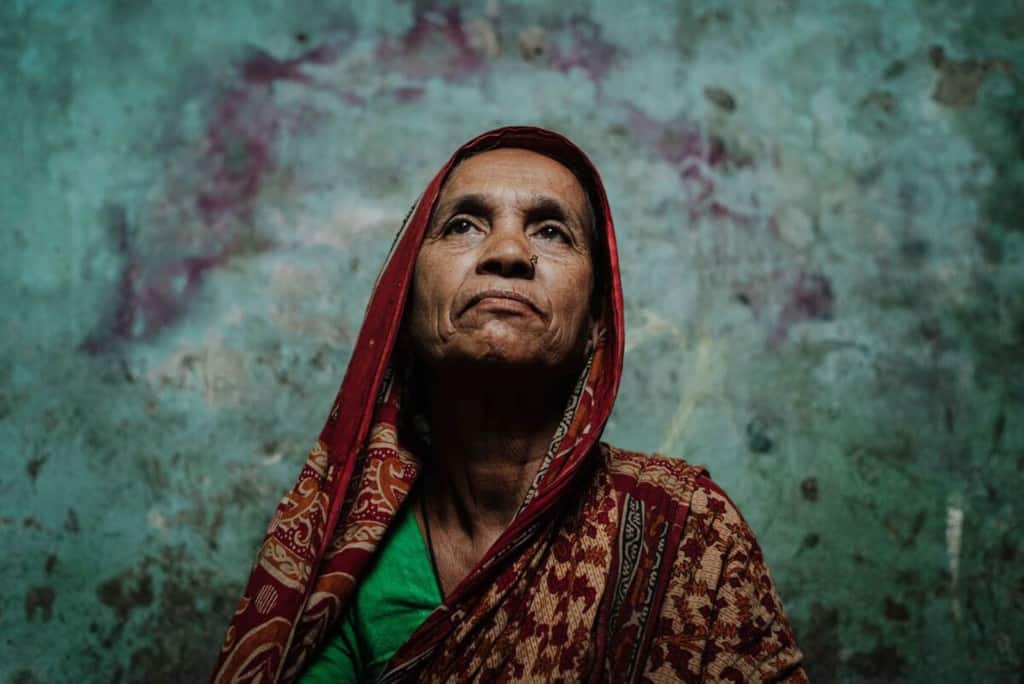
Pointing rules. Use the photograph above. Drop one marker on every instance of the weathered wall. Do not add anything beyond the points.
(820, 214)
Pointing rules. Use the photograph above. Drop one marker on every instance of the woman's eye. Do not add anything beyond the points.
(550, 232)
(458, 227)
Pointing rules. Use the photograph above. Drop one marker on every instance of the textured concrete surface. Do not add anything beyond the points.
(820, 212)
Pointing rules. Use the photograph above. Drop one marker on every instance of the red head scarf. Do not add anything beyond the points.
(359, 472)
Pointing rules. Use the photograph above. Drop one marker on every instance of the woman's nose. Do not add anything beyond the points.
(506, 253)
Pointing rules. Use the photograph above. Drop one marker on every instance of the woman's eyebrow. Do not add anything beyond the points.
(474, 204)
(542, 207)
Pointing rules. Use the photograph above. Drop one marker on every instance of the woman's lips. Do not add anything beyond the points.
(508, 300)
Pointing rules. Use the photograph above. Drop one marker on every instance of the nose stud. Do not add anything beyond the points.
(533, 260)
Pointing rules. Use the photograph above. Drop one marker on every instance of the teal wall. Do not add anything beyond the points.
(820, 215)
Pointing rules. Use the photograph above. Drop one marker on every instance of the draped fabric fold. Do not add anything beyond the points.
(602, 574)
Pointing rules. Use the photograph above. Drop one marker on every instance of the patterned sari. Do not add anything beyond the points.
(617, 567)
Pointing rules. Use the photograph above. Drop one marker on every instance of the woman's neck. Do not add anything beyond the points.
(490, 432)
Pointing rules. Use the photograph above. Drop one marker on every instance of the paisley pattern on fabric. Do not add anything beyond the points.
(294, 532)
(388, 473)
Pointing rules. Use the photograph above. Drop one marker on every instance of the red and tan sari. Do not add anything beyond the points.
(618, 566)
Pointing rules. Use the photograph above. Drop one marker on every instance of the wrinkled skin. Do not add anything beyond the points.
(477, 299)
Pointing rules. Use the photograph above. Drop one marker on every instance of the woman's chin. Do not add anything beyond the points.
(486, 352)
(522, 360)
(511, 355)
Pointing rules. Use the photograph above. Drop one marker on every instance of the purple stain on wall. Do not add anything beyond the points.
(810, 298)
(262, 68)
(581, 46)
(436, 45)
(243, 129)
(237, 155)
(150, 293)
(407, 94)
(157, 282)
(699, 158)
(151, 297)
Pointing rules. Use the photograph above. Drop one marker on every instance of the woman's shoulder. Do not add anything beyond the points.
(643, 472)
(651, 470)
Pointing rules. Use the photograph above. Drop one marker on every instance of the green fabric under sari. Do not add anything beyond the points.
(395, 597)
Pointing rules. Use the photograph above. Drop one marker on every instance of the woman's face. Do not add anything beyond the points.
(504, 275)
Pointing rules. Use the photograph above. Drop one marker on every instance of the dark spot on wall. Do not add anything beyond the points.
(914, 250)
(811, 540)
(883, 99)
(915, 529)
(183, 623)
(1003, 202)
(301, 37)
(120, 232)
(71, 522)
(1007, 549)
(409, 94)
(41, 599)
(212, 535)
(721, 98)
(821, 645)
(997, 431)
(930, 330)
(24, 676)
(147, 660)
(959, 82)
(51, 563)
(809, 488)
(895, 69)
(895, 611)
(882, 664)
(34, 466)
(132, 589)
(812, 297)
(533, 43)
(990, 240)
(908, 577)
(758, 439)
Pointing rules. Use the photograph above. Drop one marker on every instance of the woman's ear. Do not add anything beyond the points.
(594, 334)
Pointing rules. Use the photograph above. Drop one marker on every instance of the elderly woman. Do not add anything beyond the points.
(458, 518)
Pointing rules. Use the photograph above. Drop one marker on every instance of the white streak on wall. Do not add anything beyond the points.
(954, 537)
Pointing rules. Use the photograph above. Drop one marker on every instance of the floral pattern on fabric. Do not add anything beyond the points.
(722, 619)
(684, 604)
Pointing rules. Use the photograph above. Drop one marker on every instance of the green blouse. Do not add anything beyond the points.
(395, 596)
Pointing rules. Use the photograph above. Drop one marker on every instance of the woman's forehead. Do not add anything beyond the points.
(514, 174)
(524, 168)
